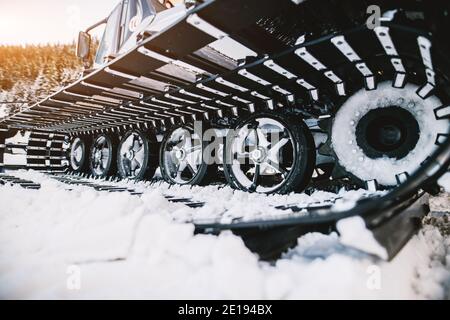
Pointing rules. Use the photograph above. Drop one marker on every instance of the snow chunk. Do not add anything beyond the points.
(354, 233)
(444, 181)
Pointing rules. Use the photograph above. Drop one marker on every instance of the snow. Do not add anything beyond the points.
(3, 111)
(384, 169)
(78, 244)
(444, 181)
(353, 232)
(224, 203)
(440, 203)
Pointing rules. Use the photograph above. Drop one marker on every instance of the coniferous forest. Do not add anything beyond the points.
(30, 73)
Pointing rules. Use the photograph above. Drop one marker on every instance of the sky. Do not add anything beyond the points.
(49, 21)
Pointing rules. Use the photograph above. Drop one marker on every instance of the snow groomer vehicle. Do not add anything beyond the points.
(295, 96)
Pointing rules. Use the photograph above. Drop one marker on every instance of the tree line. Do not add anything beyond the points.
(29, 73)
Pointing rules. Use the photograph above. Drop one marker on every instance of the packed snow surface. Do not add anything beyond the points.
(224, 204)
(82, 243)
(444, 181)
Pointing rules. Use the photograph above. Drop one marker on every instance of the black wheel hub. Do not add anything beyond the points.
(391, 131)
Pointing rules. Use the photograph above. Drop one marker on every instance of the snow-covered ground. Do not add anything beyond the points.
(56, 243)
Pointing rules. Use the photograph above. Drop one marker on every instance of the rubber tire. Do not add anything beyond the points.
(151, 155)
(85, 167)
(206, 173)
(304, 151)
(111, 170)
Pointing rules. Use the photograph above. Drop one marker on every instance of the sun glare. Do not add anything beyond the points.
(48, 21)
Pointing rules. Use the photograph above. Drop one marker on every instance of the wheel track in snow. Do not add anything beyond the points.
(291, 206)
(80, 181)
(268, 224)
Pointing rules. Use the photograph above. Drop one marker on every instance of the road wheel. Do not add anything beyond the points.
(270, 153)
(103, 156)
(386, 134)
(181, 158)
(78, 154)
(137, 155)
